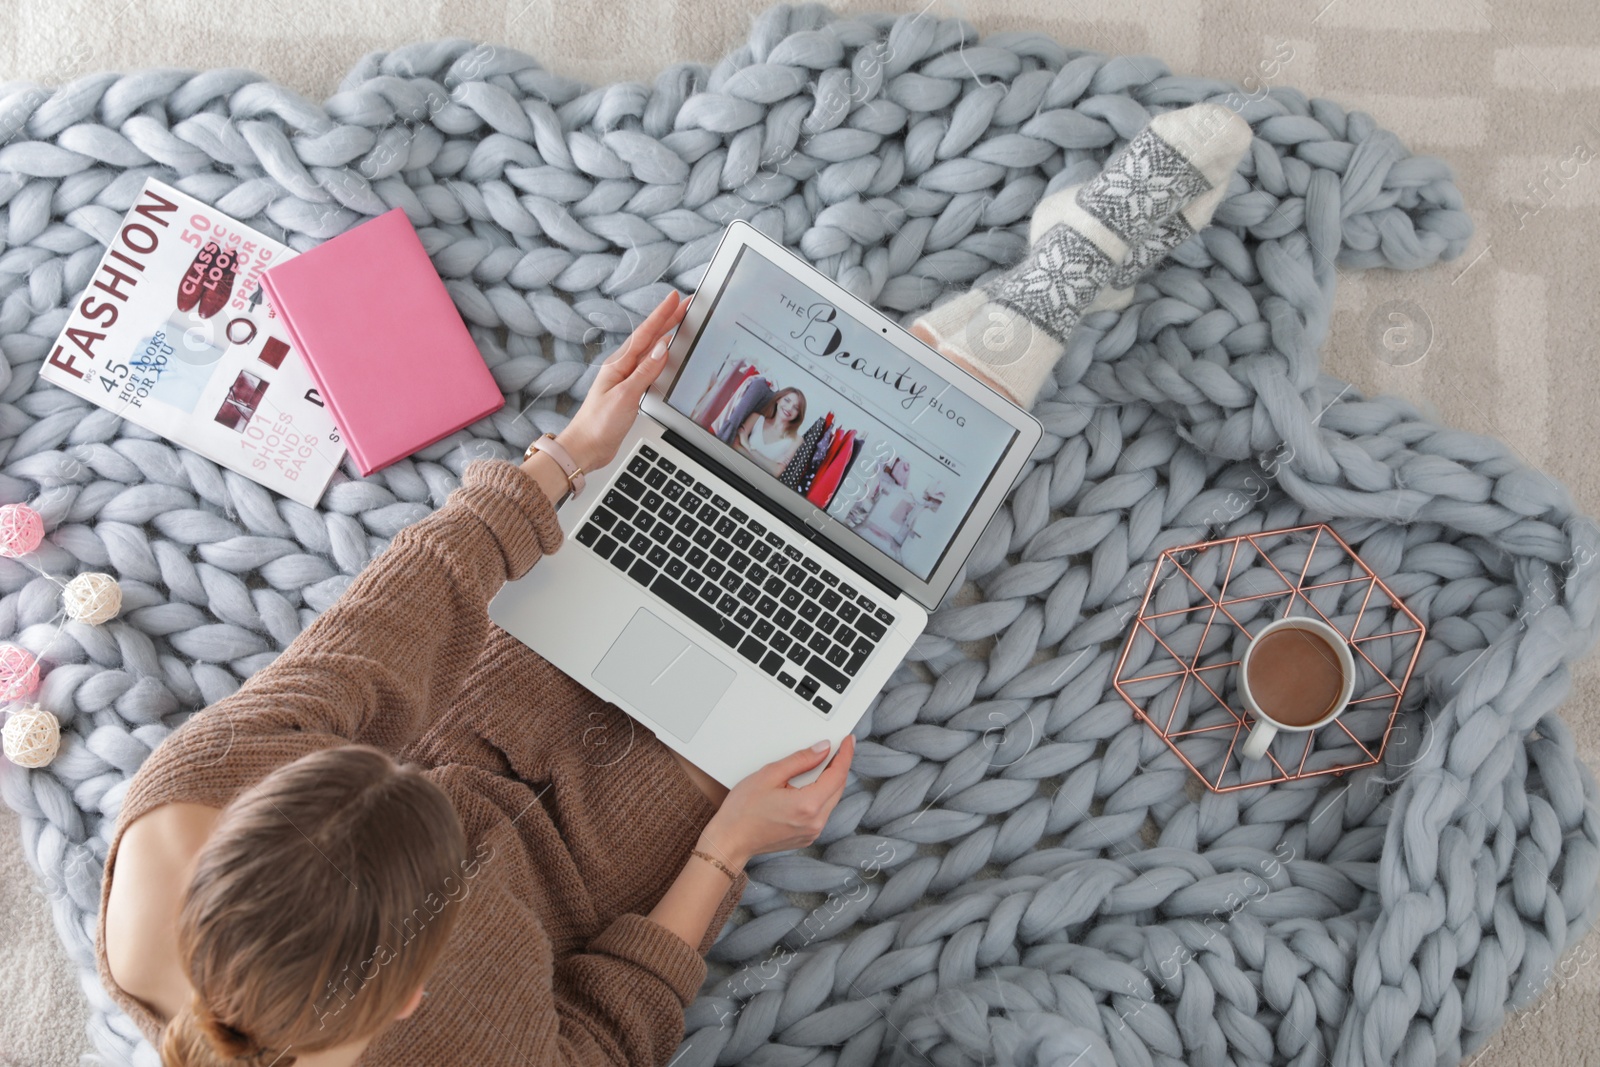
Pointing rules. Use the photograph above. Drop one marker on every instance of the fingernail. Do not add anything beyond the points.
(820, 746)
(659, 350)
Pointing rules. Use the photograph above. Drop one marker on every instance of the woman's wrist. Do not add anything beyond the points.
(551, 477)
(691, 902)
(547, 475)
(723, 847)
(588, 454)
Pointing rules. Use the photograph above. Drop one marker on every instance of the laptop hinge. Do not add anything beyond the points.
(808, 528)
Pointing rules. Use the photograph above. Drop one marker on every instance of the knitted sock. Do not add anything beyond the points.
(1152, 249)
(1150, 197)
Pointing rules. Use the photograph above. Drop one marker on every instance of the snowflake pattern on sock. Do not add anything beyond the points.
(1146, 181)
(1055, 282)
(1149, 248)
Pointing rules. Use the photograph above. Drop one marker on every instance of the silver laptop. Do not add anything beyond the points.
(803, 484)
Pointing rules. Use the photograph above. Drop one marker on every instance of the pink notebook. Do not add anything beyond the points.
(385, 344)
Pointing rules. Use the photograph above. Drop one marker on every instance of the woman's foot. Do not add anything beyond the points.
(1151, 196)
(921, 330)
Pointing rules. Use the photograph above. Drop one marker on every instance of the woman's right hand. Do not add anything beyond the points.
(764, 813)
(610, 407)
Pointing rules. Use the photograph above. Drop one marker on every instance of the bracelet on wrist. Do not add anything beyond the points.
(577, 452)
(558, 453)
(718, 864)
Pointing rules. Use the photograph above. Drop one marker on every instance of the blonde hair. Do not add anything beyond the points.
(306, 925)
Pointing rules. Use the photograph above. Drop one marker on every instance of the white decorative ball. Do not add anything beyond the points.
(93, 598)
(32, 737)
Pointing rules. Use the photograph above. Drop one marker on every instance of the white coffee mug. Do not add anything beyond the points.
(1266, 727)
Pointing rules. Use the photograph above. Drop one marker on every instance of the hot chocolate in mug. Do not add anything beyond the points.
(1297, 675)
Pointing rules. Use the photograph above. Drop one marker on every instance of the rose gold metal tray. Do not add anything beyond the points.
(1179, 667)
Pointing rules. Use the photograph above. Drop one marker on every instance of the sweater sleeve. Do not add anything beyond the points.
(393, 651)
(612, 996)
(621, 1000)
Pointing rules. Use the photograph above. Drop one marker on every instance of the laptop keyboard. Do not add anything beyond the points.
(749, 586)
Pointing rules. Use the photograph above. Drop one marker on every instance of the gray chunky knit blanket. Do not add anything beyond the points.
(1023, 872)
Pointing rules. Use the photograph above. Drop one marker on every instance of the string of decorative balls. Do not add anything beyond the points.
(32, 734)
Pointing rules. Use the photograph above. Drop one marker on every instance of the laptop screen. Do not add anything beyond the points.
(833, 411)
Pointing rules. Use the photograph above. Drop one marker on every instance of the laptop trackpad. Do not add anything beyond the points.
(664, 675)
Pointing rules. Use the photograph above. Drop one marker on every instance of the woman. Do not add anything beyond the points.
(410, 840)
(770, 435)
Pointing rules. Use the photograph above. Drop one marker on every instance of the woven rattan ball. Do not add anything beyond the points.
(92, 598)
(21, 530)
(19, 673)
(32, 737)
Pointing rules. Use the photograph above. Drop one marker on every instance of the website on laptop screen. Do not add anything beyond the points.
(834, 412)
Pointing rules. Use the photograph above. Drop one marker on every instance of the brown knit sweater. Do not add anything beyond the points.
(581, 817)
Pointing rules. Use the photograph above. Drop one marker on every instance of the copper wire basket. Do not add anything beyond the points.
(1179, 667)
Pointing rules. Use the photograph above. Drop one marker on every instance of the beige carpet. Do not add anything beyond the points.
(1499, 88)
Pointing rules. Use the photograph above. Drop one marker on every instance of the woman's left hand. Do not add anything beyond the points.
(609, 410)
